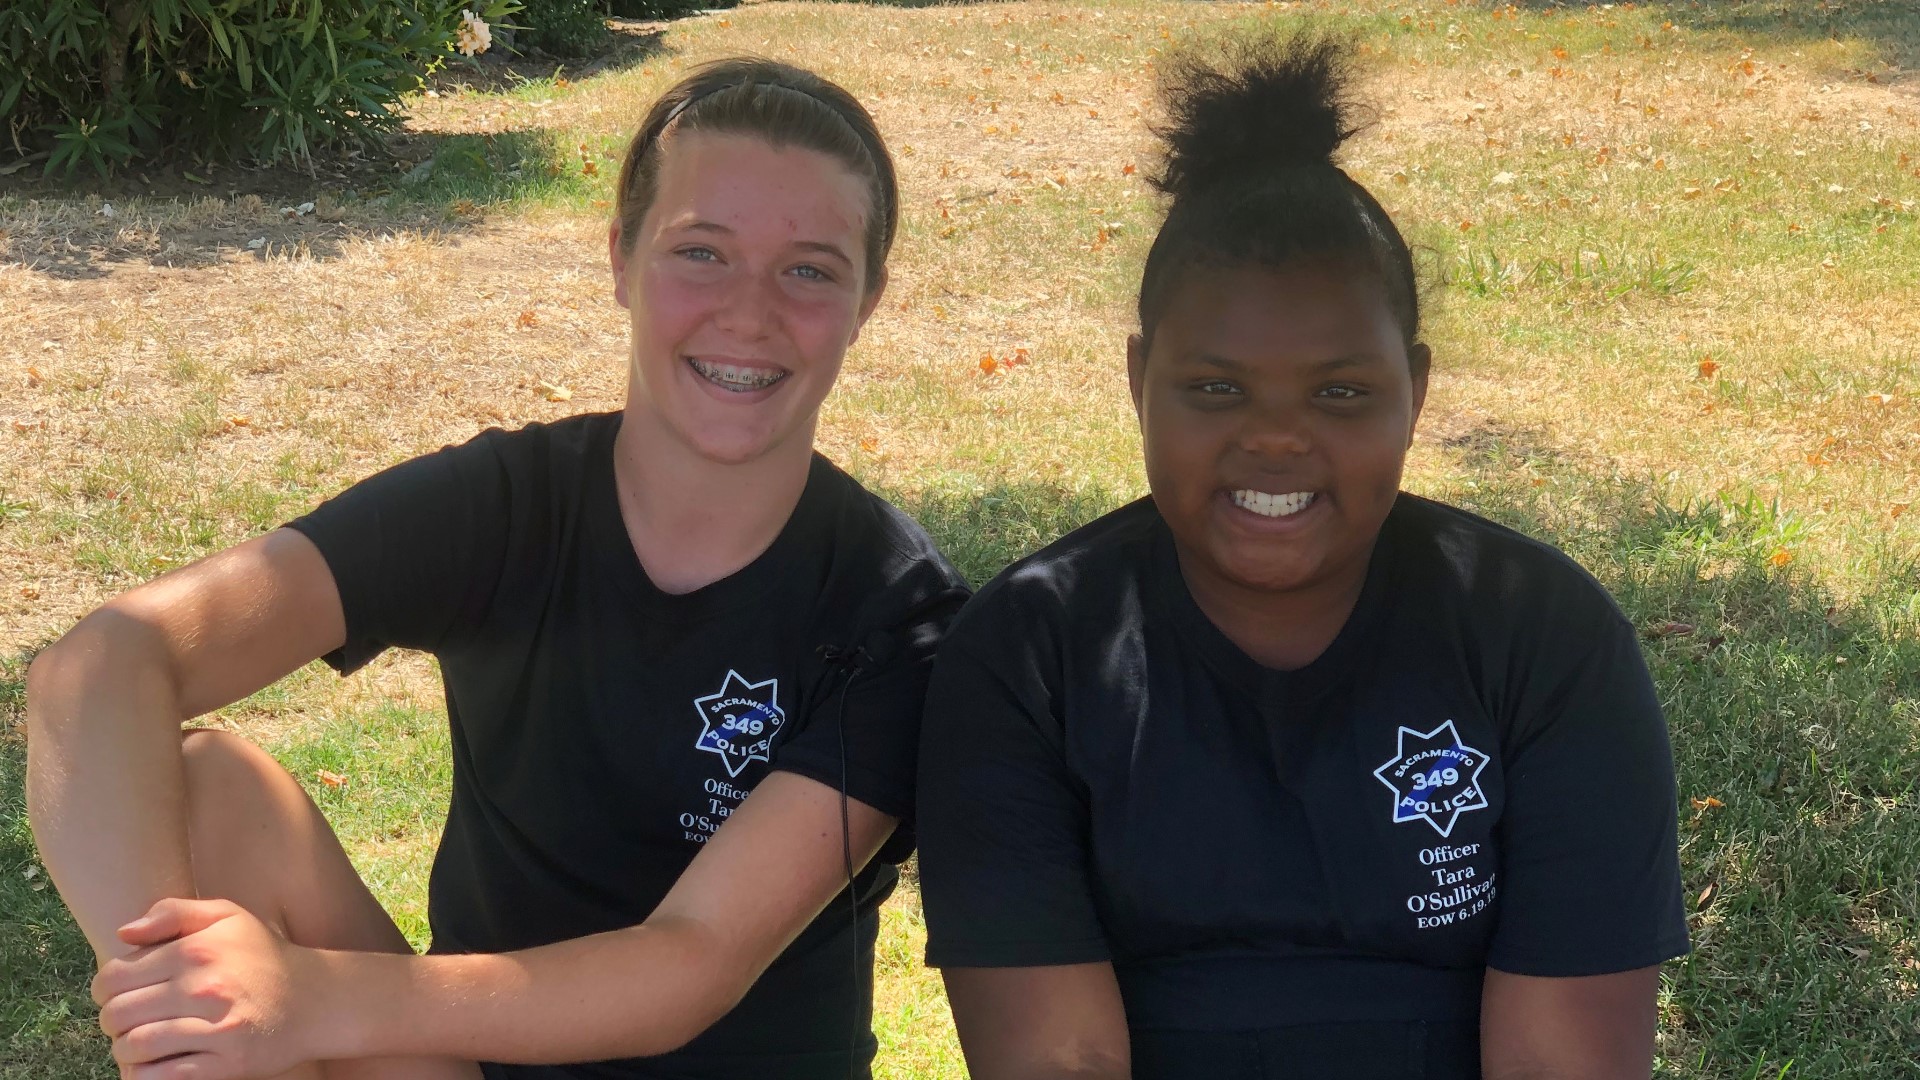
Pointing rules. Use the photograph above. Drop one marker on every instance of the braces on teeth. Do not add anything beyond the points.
(734, 378)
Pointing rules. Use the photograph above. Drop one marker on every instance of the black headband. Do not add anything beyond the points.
(873, 151)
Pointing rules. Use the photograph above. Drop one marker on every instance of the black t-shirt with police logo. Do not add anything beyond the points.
(603, 730)
(1300, 873)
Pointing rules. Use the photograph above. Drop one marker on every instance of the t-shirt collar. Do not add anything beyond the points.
(1356, 636)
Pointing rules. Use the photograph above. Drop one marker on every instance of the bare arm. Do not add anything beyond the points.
(1040, 1023)
(234, 1000)
(1599, 1027)
(105, 789)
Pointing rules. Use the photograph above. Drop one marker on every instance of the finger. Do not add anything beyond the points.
(148, 1005)
(190, 1067)
(133, 971)
(175, 917)
(150, 1043)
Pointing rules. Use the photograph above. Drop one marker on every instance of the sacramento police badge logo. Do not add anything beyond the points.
(739, 721)
(1434, 777)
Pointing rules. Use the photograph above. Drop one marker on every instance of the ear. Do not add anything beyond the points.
(869, 303)
(1419, 363)
(618, 259)
(1136, 368)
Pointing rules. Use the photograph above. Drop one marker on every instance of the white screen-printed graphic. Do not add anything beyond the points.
(1434, 777)
(738, 722)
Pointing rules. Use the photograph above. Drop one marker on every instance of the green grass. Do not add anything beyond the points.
(1602, 203)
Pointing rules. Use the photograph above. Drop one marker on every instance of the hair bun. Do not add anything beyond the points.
(1252, 107)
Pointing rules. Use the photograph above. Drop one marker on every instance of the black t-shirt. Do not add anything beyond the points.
(1308, 867)
(602, 730)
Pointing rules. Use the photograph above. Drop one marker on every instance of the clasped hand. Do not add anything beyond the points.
(211, 993)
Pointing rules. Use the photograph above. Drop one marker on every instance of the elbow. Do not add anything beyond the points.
(108, 645)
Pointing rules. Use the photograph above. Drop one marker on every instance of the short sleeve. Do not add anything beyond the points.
(415, 550)
(1004, 824)
(1590, 878)
(879, 695)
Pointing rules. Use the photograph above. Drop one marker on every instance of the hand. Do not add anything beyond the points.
(212, 993)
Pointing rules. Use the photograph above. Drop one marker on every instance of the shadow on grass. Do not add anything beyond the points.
(1799, 718)
(1892, 27)
(443, 185)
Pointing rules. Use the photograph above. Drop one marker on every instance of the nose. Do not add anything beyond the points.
(750, 307)
(1275, 430)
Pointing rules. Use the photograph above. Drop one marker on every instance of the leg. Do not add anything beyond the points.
(258, 840)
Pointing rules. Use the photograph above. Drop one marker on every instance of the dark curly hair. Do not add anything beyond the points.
(1250, 135)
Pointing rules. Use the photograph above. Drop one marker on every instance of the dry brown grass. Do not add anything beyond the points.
(164, 391)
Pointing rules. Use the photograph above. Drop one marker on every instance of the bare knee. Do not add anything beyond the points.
(245, 815)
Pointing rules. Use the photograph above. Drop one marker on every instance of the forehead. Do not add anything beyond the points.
(1298, 313)
(747, 183)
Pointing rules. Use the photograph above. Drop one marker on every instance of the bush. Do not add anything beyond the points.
(103, 82)
(561, 27)
(663, 9)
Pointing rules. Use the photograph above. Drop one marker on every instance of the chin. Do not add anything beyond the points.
(1261, 571)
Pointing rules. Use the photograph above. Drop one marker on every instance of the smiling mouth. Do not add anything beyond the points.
(1273, 506)
(740, 379)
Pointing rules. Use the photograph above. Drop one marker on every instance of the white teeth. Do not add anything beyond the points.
(734, 377)
(1273, 505)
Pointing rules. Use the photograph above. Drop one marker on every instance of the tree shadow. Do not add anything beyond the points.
(1891, 27)
(439, 185)
(418, 182)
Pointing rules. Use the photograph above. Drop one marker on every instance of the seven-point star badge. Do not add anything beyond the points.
(738, 721)
(1434, 777)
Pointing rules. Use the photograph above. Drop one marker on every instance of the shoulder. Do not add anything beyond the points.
(880, 567)
(559, 443)
(1097, 564)
(1491, 568)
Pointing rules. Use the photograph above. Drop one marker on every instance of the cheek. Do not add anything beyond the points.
(820, 329)
(667, 308)
(1182, 448)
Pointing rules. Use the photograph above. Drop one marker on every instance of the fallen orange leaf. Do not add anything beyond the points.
(988, 364)
(528, 318)
(1780, 557)
(869, 444)
(1708, 367)
(331, 779)
(1708, 803)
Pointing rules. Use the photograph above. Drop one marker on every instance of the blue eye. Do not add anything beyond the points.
(811, 272)
(698, 254)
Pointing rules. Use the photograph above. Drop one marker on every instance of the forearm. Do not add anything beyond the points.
(105, 784)
(636, 992)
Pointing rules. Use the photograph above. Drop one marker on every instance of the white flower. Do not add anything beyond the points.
(474, 36)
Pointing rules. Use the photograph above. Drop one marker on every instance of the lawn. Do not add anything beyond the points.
(1673, 261)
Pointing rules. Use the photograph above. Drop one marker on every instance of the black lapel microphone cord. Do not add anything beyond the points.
(855, 662)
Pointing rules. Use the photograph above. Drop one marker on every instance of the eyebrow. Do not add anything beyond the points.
(821, 246)
(1228, 363)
